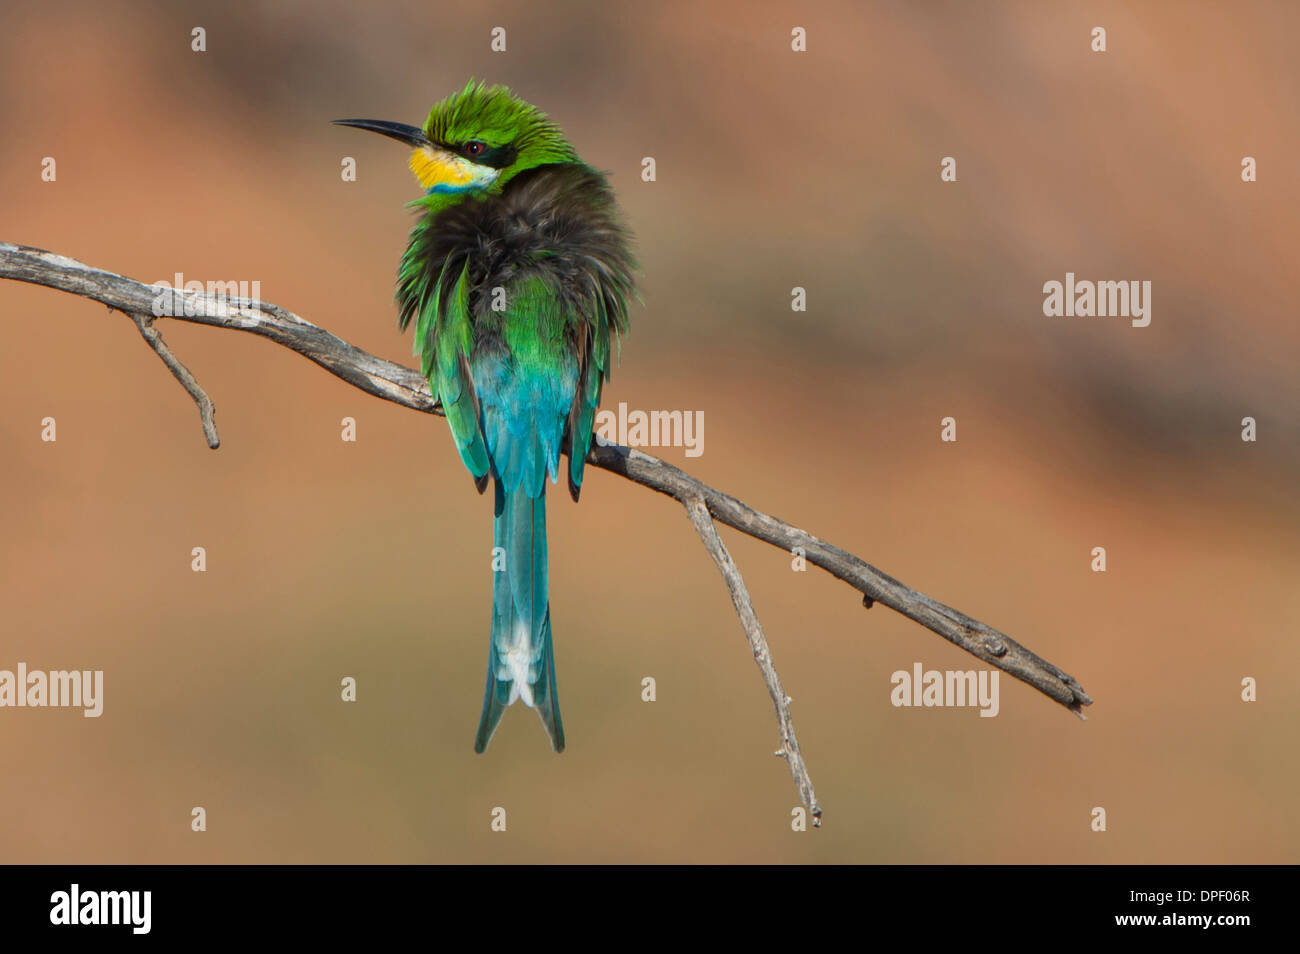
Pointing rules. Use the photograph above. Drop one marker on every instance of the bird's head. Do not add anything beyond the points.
(476, 140)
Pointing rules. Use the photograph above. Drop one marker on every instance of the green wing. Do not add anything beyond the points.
(591, 377)
(444, 338)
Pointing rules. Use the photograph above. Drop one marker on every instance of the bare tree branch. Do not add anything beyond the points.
(976, 638)
(207, 409)
(699, 514)
(402, 385)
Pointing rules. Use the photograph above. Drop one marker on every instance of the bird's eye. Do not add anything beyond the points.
(475, 148)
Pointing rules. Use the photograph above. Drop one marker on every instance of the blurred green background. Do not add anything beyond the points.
(775, 170)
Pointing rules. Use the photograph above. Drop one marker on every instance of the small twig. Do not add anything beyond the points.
(206, 408)
(699, 514)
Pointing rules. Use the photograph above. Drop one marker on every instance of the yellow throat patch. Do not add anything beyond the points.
(443, 171)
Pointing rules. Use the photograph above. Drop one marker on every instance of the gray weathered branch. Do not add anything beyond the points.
(207, 410)
(789, 750)
(402, 385)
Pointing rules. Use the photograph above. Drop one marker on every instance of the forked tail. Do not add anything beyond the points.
(521, 663)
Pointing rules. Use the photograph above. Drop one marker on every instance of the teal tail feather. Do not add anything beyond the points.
(521, 661)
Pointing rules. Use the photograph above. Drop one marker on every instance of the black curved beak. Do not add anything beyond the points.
(411, 135)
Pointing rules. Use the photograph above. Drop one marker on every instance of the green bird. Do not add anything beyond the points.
(516, 276)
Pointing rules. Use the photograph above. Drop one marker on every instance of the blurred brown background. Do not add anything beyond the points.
(775, 169)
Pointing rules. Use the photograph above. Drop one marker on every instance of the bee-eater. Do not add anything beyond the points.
(516, 275)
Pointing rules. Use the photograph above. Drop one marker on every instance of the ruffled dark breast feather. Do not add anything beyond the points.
(558, 220)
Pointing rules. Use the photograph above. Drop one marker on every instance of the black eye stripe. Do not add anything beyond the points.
(495, 157)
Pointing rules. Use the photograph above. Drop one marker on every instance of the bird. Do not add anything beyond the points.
(517, 274)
